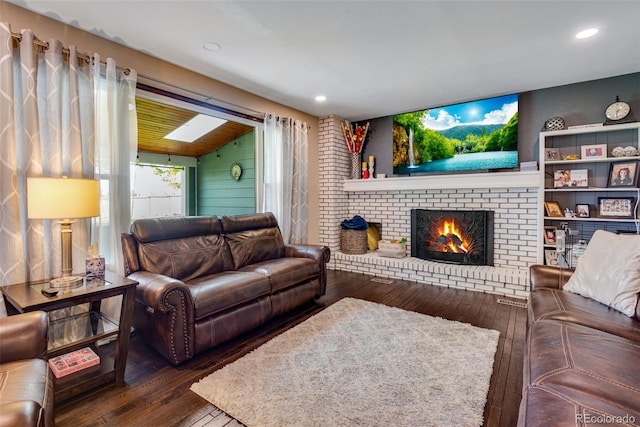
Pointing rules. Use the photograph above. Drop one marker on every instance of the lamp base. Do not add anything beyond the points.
(66, 282)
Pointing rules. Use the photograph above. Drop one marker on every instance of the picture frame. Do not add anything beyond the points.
(551, 257)
(549, 235)
(551, 154)
(596, 151)
(566, 178)
(553, 209)
(582, 211)
(623, 174)
(616, 207)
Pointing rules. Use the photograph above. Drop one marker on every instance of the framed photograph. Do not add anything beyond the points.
(549, 235)
(598, 151)
(623, 174)
(582, 211)
(551, 257)
(579, 178)
(616, 207)
(564, 178)
(553, 209)
(551, 154)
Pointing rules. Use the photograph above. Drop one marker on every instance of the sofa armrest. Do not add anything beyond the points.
(317, 253)
(546, 276)
(164, 315)
(154, 290)
(21, 413)
(24, 336)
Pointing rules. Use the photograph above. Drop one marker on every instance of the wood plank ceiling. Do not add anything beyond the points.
(155, 120)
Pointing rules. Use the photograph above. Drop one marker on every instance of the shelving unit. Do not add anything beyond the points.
(570, 141)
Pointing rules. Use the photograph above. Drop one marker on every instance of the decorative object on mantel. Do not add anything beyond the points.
(365, 171)
(372, 162)
(618, 112)
(392, 248)
(528, 166)
(554, 123)
(355, 142)
(629, 151)
(353, 236)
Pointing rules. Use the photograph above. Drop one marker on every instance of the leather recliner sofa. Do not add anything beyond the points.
(26, 383)
(206, 280)
(581, 358)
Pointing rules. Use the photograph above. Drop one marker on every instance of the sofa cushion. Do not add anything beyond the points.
(23, 380)
(167, 228)
(285, 272)
(251, 246)
(575, 371)
(186, 258)
(609, 271)
(225, 290)
(554, 304)
(253, 238)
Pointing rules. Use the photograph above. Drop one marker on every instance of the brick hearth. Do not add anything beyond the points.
(515, 210)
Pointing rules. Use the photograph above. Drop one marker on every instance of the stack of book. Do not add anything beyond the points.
(73, 362)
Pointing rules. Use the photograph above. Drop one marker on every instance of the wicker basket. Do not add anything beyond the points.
(353, 242)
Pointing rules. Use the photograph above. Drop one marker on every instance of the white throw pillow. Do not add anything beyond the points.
(609, 271)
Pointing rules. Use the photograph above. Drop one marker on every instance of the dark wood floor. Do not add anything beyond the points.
(157, 393)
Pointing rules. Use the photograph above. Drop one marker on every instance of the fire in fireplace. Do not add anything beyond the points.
(452, 236)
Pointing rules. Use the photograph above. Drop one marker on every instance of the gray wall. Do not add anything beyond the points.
(579, 103)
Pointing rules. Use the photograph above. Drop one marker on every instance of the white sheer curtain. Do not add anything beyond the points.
(116, 144)
(286, 176)
(49, 106)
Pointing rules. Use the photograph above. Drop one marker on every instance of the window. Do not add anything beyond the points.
(158, 190)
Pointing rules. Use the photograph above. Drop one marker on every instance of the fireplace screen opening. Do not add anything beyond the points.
(452, 236)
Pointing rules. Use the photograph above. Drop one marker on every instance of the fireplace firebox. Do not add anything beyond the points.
(452, 236)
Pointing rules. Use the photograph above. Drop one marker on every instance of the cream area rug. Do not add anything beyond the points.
(359, 363)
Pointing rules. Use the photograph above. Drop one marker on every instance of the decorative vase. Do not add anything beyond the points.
(356, 171)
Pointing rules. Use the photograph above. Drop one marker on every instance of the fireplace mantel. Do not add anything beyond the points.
(528, 179)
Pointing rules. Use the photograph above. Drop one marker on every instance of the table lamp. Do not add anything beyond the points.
(63, 199)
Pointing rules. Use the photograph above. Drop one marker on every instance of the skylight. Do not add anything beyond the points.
(195, 128)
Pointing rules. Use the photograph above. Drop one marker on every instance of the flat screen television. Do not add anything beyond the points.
(474, 136)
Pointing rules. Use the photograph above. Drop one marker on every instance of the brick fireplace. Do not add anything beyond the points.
(513, 199)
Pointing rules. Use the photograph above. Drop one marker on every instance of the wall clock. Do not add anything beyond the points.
(236, 171)
(618, 112)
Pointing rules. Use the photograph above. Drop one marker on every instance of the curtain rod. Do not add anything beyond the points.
(88, 59)
(278, 118)
(189, 100)
(252, 114)
(82, 56)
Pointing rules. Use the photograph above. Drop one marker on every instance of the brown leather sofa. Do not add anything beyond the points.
(581, 358)
(26, 384)
(206, 280)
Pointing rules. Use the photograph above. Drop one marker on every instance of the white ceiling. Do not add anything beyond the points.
(372, 58)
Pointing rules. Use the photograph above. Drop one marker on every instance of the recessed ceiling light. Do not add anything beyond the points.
(321, 98)
(585, 34)
(211, 46)
(195, 128)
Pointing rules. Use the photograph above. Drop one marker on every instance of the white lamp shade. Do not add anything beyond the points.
(62, 198)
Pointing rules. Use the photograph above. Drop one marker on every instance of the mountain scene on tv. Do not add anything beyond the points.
(477, 135)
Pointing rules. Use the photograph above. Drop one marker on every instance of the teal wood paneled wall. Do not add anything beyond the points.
(220, 194)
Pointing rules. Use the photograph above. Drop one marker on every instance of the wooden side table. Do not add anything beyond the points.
(21, 298)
